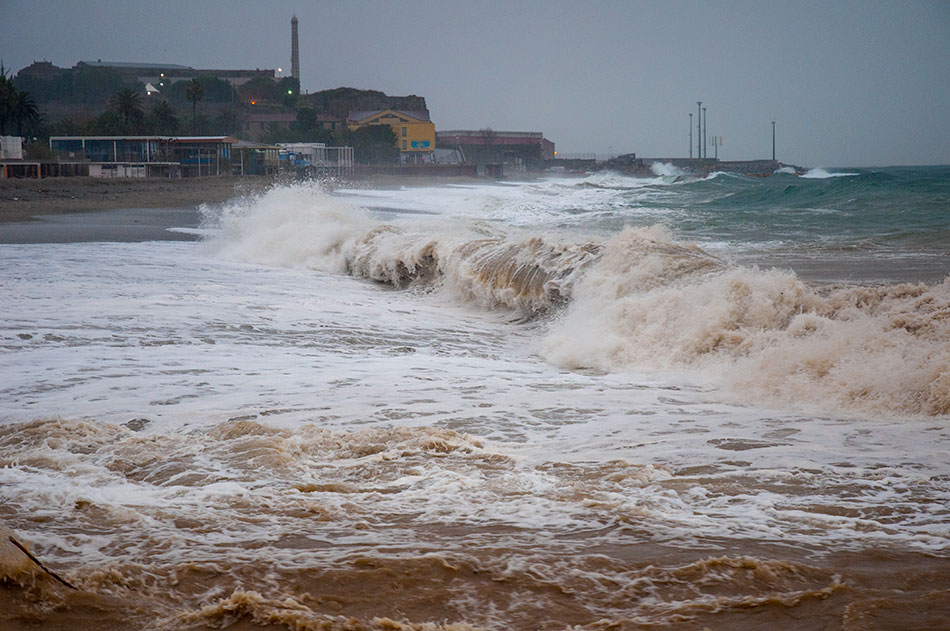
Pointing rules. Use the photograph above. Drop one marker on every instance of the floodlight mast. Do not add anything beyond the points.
(699, 129)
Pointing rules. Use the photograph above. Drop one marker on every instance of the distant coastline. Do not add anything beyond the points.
(630, 164)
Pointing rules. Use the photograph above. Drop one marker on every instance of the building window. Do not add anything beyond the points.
(403, 132)
(403, 145)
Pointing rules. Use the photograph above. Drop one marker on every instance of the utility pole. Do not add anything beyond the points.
(699, 129)
(691, 135)
(773, 141)
(705, 131)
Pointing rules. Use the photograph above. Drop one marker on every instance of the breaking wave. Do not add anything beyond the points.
(303, 227)
(637, 300)
(764, 334)
(822, 174)
(666, 169)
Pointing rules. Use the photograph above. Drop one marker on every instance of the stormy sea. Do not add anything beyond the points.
(568, 403)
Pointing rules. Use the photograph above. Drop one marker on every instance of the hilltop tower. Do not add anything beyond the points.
(294, 50)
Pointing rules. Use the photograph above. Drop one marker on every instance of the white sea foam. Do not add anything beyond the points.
(359, 415)
(666, 169)
(651, 302)
(642, 300)
(821, 174)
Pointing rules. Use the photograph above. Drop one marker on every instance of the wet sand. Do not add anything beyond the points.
(83, 209)
(120, 225)
(25, 199)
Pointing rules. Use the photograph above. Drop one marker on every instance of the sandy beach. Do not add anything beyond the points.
(78, 209)
(69, 210)
(25, 199)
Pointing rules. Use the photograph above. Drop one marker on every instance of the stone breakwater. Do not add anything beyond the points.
(700, 167)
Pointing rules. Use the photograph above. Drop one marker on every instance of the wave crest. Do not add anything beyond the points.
(303, 227)
(639, 300)
(764, 334)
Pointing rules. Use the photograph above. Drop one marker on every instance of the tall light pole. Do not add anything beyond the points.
(705, 131)
(773, 141)
(691, 135)
(699, 129)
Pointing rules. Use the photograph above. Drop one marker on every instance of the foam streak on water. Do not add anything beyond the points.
(524, 406)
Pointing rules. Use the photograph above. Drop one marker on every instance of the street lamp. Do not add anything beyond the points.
(705, 131)
(773, 141)
(699, 129)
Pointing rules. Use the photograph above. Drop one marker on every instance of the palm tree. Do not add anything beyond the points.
(127, 103)
(227, 120)
(195, 92)
(164, 118)
(8, 97)
(24, 111)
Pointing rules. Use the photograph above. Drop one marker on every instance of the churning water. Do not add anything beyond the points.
(565, 403)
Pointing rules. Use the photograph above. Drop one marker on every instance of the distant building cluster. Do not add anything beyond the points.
(338, 113)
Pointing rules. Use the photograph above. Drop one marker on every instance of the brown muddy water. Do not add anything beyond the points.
(247, 525)
(488, 407)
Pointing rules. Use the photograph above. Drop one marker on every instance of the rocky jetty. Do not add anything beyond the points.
(630, 164)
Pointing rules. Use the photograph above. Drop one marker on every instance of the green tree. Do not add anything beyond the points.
(109, 123)
(127, 103)
(204, 126)
(373, 144)
(228, 121)
(70, 127)
(307, 127)
(195, 91)
(163, 120)
(24, 111)
(8, 96)
(288, 89)
(259, 90)
(276, 134)
(93, 85)
(215, 90)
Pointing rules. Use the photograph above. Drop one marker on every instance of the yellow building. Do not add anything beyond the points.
(415, 133)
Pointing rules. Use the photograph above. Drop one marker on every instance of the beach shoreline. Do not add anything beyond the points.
(84, 209)
(23, 200)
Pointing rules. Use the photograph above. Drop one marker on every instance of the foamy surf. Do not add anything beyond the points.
(242, 521)
(771, 339)
(639, 300)
(823, 174)
(537, 405)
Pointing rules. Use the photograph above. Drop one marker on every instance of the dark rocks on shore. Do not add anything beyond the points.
(630, 164)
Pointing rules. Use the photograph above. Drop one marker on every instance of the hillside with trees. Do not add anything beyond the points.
(99, 101)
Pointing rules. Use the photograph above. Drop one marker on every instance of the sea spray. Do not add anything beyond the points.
(641, 301)
(247, 444)
(763, 334)
(302, 226)
(666, 169)
(291, 226)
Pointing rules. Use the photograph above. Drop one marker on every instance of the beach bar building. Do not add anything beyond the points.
(147, 156)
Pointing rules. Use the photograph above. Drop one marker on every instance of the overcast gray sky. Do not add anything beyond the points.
(849, 83)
